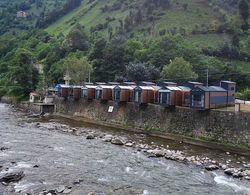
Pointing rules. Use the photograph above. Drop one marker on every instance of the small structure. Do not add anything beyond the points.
(231, 88)
(169, 96)
(113, 83)
(104, 92)
(123, 93)
(88, 92)
(193, 84)
(77, 91)
(203, 98)
(63, 90)
(144, 95)
(183, 96)
(34, 97)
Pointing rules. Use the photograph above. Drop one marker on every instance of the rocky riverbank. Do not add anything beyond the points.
(239, 169)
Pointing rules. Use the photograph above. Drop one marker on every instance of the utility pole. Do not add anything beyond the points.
(207, 76)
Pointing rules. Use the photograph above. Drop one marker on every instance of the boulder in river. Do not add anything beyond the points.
(157, 152)
(117, 141)
(230, 171)
(11, 177)
(107, 138)
(129, 144)
(211, 167)
(90, 136)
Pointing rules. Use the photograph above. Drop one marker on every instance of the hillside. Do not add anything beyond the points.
(120, 40)
(146, 18)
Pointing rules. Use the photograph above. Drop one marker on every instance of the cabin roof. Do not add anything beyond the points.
(229, 82)
(126, 87)
(184, 88)
(147, 83)
(129, 83)
(106, 86)
(146, 87)
(77, 86)
(212, 89)
(173, 88)
(113, 83)
(89, 86)
(195, 83)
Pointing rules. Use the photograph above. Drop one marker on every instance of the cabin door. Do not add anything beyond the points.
(137, 96)
(117, 95)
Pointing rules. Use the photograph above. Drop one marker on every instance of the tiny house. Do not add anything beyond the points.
(65, 91)
(184, 96)
(203, 98)
(231, 88)
(144, 94)
(88, 92)
(77, 92)
(123, 93)
(168, 96)
(193, 84)
(104, 92)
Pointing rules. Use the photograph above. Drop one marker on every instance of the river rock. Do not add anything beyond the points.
(11, 177)
(90, 136)
(245, 173)
(107, 138)
(157, 152)
(211, 167)
(117, 141)
(67, 191)
(230, 171)
(129, 144)
(60, 189)
(3, 148)
(246, 165)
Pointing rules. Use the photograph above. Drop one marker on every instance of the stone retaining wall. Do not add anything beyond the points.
(213, 125)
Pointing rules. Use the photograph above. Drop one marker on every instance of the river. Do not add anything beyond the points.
(51, 158)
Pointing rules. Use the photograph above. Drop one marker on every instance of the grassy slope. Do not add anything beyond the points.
(198, 12)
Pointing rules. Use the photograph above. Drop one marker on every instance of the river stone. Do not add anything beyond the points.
(246, 173)
(11, 177)
(230, 171)
(157, 152)
(129, 144)
(107, 138)
(60, 189)
(67, 191)
(211, 167)
(90, 136)
(117, 141)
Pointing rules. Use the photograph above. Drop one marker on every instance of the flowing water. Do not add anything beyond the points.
(95, 166)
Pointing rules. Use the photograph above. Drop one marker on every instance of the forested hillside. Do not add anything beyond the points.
(175, 40)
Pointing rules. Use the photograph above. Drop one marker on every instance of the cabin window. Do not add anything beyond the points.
(117, 95)
(137, 96)
(99, 94)
(232, 88)
(198, 100)
(85, 93)
(164, 98)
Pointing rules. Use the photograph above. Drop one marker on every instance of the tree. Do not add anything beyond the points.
(77, 40)
(22, 74)
(244, 13)
(141, 72)
(179, 70)
(79, 69)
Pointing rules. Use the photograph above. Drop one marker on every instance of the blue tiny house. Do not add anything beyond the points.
(203, 98)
